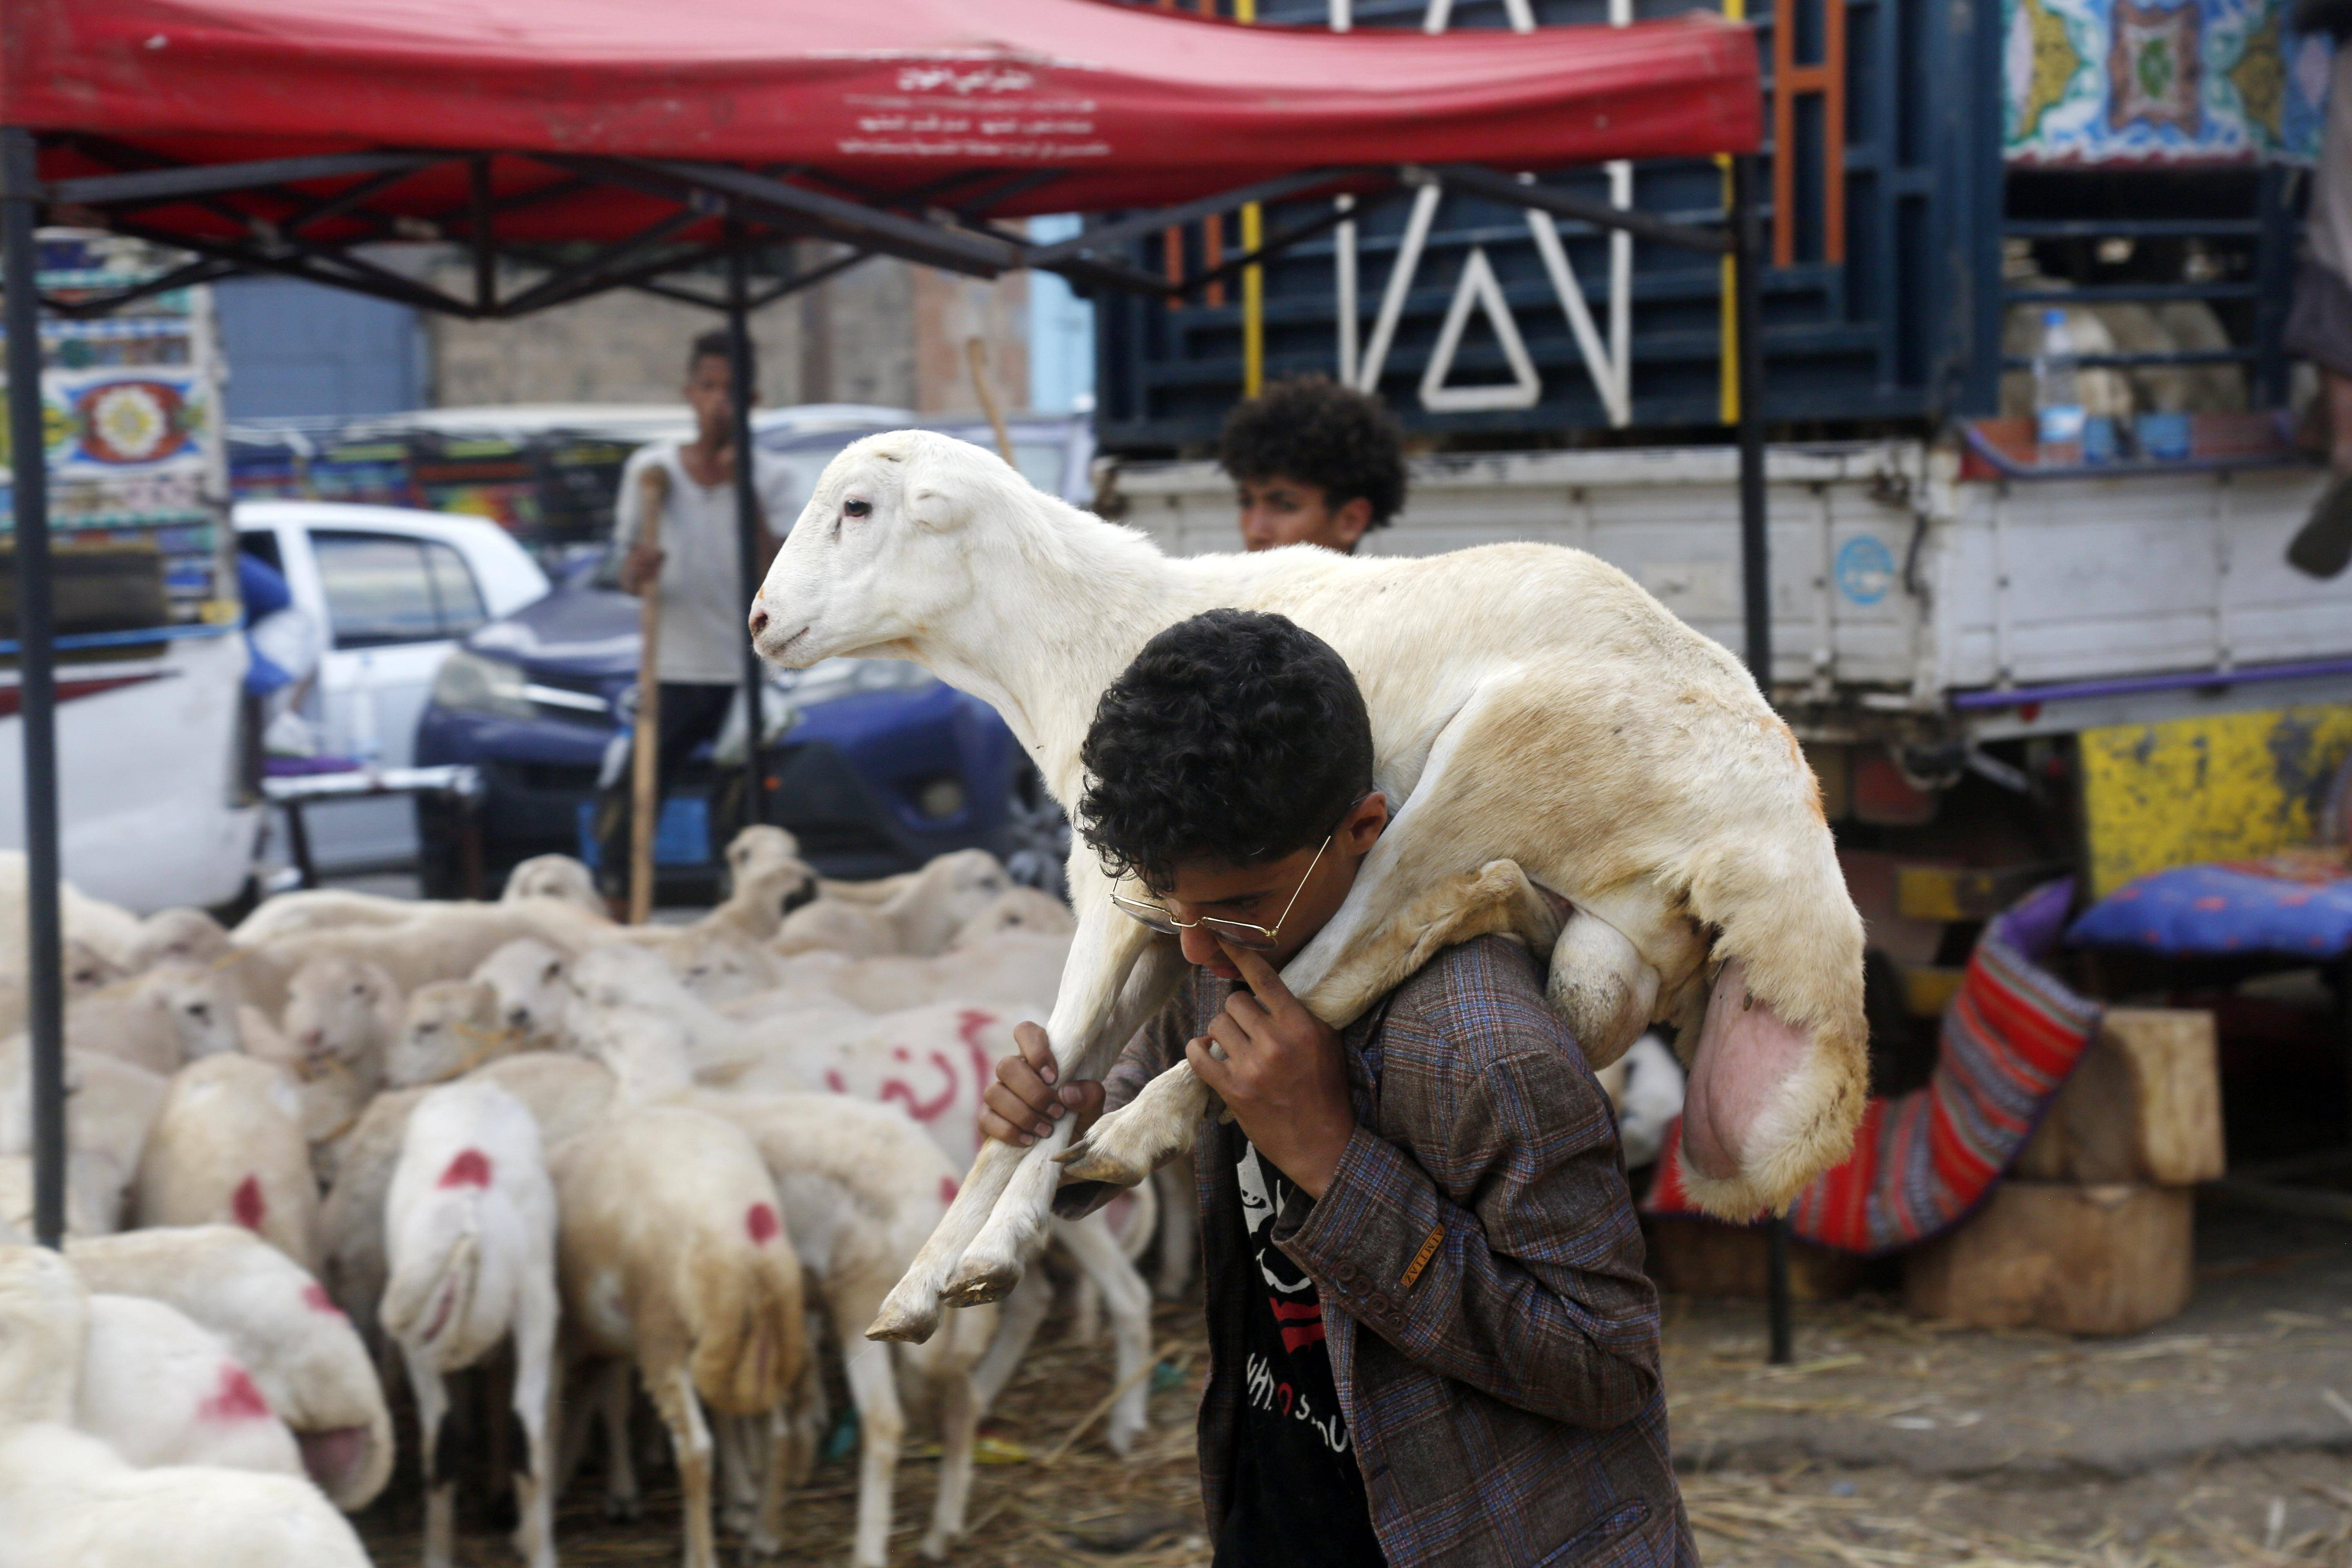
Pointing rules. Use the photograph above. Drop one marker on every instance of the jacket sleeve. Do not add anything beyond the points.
(1518, 1272)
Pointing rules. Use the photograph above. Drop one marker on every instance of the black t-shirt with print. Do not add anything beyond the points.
(1297, 1497)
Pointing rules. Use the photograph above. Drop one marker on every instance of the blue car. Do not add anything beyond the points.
(874, 764)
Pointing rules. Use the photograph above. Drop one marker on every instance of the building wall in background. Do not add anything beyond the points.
(298, 349)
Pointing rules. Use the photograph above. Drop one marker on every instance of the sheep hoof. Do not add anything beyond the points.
(904, 1321)
(933, 1547)
(978, 1283)
(1089, 1161)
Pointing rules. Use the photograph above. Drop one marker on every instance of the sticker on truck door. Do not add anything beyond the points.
(1866, 569)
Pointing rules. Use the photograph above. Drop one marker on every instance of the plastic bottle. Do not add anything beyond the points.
(2057, 397)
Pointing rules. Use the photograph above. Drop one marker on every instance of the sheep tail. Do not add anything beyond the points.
(750, 1338)
(428, 1300)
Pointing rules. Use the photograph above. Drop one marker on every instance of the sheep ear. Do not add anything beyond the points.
(938, 508)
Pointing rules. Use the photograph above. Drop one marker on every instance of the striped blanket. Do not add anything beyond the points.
(1922, 1161)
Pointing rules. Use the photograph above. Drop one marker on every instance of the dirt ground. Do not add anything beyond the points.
(2221, 1439)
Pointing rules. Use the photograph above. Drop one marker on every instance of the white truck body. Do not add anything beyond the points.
(1897, 586)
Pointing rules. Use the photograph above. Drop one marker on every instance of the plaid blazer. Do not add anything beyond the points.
(1493, 1336)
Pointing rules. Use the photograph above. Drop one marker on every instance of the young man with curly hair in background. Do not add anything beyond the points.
(1315, 463)
(1430, 1338)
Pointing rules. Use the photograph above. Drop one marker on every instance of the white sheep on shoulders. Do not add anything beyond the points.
(69, 1499)
(1537, 717)
(470, 1238)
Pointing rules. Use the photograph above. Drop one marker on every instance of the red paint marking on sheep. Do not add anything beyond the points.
(246, 1203)
(472, 1168)
(900, 1091)
(759, 1221)
(315, 1297)
(947, 1189)
(234, 1399)
(833, 1081)
(969, 1024)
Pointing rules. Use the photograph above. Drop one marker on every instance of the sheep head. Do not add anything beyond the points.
(558, 877)
(757, 846)
(449, 1027)
(43, 1316)
(1022, 911)
(203, 1001)
(530, 988)
(338, 1010)
(889, 544)
(190, 935)
(719, 968)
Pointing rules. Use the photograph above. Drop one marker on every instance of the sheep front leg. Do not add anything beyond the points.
(1127, 1300)
(881, 1430)
(620, 1465)
(958, 1417)
(1127, 1145)
(1117, 975)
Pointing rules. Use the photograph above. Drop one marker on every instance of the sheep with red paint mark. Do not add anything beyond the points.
(306, 1358)
(69, 1497)
(470, 1237)
(227, 1147)
(164, 1391)
(659, 1210)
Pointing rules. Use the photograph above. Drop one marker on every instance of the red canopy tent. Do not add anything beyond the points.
(608, 144)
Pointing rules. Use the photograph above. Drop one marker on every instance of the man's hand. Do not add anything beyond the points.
(1022, 1104)
(639, 568)
(1283, 1076)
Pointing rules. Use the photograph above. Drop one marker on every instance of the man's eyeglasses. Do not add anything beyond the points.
(1240, 933)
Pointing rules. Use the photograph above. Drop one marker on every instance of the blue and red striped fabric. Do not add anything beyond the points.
(1923, 1160)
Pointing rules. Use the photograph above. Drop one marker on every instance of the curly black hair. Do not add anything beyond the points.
(1311, 429)
(1235, 737)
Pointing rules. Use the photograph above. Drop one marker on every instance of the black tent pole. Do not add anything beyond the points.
(1756, 583)
(20, 197)
(748, 523)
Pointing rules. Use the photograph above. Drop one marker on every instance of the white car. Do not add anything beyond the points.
(393, 591)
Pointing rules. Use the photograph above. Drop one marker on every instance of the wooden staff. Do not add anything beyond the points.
(975, 353)
(644, 805)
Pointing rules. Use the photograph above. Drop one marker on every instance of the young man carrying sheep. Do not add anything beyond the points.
(1430, 1337)
(1313, 463)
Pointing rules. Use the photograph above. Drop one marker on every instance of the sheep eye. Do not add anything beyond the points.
(856, 508)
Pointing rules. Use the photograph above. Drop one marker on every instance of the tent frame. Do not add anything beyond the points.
(946, 224)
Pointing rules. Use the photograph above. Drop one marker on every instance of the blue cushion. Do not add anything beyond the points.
(2295, 908)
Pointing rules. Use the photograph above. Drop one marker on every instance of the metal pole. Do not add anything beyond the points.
(1756, 586)
(748, 527)
(37, 663)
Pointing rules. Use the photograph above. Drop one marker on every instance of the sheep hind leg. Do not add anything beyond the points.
(1016, 1326)
(535, 1406)
(440, 1487)
(621, 1495)
(1602, 986)
(672, 1391)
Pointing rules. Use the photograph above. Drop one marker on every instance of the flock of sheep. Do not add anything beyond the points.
(359, 1134)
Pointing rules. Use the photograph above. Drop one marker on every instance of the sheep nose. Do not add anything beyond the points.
(759, 617)
(313, 1038)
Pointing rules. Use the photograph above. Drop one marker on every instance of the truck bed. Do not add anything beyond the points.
(1900, 591)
